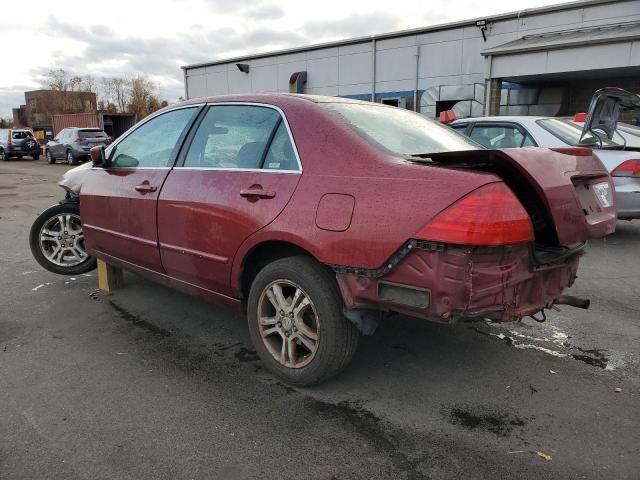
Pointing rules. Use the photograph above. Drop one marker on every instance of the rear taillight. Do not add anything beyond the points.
(630, 168)
(80, 139)
(490, 215)
(9, 138)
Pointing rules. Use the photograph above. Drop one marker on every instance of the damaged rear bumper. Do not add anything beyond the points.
(444, 284)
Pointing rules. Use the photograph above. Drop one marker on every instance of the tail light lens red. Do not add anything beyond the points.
(80, 139)
(490, 215)
(630, 168)
(9, 138)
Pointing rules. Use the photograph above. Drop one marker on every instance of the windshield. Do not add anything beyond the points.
(569, 133)
(399, 131)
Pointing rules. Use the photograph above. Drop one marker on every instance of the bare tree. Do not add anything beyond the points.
(88, 84)
(58, 80)
(120, 93)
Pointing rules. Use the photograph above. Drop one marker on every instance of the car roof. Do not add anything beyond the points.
(271, 98)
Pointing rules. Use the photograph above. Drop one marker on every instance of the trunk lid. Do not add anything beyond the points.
(604, 110)
(567, 192)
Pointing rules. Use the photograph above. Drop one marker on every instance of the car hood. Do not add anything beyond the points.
(605, 107)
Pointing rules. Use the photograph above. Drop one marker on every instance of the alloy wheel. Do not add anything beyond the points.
(69, 158)
(288, 323)
(62, 241)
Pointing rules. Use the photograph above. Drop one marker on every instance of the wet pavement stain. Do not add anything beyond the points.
(246, 355)
(372, 428)
(137, 321)
(594, 357)
(500, 424)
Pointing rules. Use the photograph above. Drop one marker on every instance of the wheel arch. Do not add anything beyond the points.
(260, 255)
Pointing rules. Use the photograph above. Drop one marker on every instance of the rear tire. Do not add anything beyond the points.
(3, 156)
(36, 156)
(312, 307)
(57, 241)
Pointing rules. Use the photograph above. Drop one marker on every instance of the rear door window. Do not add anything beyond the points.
(236, 137)
(498, 136)
(20, 135)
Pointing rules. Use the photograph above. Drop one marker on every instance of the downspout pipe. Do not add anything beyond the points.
(415, 91)
(487, 93)
(373, 68)
(186, 84)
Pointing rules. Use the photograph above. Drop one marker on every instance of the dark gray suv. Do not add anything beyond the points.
(73, 144)
(18, 143)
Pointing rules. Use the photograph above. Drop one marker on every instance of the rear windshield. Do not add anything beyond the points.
(569, 133)
(91, 133)
(20, 135)
(399, 131)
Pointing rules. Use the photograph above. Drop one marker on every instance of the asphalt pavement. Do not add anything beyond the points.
(148, 383)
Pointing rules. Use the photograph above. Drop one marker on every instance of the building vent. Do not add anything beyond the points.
(297, 82)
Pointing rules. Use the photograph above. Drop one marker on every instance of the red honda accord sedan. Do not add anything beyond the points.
(314, 215)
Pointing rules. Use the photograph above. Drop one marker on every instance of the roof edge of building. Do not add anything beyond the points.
(413, 31)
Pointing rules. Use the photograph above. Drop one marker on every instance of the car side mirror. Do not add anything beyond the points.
(97, 156)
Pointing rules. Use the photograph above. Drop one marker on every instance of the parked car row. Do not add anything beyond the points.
(71, 145)
(316, 215)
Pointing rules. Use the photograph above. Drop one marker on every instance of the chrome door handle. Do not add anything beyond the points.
(257, 193)
(145, 187)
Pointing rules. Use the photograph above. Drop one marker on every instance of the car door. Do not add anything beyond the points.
(55, 146)
(501, 135)
(118, 203)
(236, 176)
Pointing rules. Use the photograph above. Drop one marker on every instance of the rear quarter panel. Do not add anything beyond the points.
(394, 198)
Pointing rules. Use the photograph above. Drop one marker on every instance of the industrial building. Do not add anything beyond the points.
(542, 61)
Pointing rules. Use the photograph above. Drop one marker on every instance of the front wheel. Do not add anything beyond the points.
(297, 324)
(70, 159)
(57, 241)
(50, 159)
(3, 156)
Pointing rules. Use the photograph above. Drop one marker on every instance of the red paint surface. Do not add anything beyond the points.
(205, 228)
(203, 219)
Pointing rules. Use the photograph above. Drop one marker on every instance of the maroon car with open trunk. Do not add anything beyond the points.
(315, 214)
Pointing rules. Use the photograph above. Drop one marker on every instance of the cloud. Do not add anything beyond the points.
(265, 12)
(352, 26)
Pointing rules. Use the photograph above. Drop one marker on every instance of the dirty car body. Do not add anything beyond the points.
(405, 214)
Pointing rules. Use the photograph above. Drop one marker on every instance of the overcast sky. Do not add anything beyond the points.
(126, 37)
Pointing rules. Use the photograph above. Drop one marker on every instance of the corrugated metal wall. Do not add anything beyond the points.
(82, 120)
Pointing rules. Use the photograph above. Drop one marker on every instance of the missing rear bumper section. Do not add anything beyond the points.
(503, 283)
